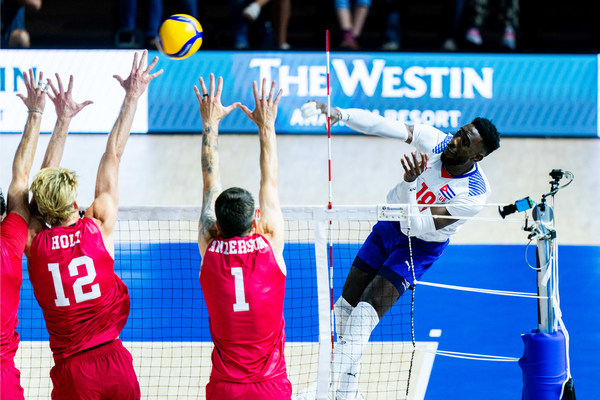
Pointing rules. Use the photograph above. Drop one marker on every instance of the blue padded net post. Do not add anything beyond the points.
(544, 365)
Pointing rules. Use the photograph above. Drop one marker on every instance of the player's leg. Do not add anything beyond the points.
(393, 278)
(379, 296)
(368, 261)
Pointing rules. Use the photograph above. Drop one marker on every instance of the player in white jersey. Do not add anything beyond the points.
(446, 174)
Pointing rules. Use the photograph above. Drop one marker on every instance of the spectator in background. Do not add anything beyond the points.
(14, 34)
(393, 26)
(129, 37)
(509, 15)
(242, 17)
(452, 31)
(350, 24)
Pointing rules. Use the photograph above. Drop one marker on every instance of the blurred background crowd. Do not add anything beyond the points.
(527, 26)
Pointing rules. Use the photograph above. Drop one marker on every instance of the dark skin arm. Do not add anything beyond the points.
(412, 169)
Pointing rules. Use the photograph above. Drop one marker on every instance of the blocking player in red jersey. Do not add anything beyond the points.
(243, 272)
(71, 264)
(13, 236)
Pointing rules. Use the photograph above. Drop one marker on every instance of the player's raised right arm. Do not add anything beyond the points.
(271, 220)
(211, 111)
(362, 121)
(105, 206)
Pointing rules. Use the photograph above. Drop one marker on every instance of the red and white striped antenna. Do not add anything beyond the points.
(330, 202)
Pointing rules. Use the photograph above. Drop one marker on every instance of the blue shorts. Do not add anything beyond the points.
(386, 253)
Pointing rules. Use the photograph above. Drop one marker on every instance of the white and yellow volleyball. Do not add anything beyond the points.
(180, 36)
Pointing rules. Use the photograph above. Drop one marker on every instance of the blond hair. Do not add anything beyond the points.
(55, 191)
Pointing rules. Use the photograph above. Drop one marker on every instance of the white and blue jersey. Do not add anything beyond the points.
(463, 195)
(386, 252)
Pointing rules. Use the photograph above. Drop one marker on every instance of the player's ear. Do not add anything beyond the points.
(218, 228)
(477, 157)
(75, 205)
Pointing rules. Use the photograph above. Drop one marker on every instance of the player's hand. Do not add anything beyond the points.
(139, 78)
(211, 109)
(314, 107)
(63, 101)
(36, 92)
(265, 113)
(413, 167)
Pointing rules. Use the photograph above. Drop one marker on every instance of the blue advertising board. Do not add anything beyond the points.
(525, 95)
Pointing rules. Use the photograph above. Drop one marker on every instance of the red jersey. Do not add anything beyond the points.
(84, 302)
(244, 289)
(13, 239)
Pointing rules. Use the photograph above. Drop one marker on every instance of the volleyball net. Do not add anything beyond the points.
(157, 257)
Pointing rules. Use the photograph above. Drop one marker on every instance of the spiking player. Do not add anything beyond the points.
(13, 233)
(71, 264)
(447, 174)
(243, 271)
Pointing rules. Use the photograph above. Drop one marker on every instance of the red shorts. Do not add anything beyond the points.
(278, 388)
(104, 372)
(10, 382)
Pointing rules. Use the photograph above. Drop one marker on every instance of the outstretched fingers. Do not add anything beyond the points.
(60, 85)
(151, 65)
(279, 94)
(246, 111)
(255, 91)
(211, 87)
(219, 88)
(272, 91)
(121, 80)
(70, 87)
(54, 91)
(203, 86)
(197, 92)
(135, 63)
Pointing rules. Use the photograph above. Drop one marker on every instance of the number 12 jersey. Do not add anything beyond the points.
(85, 303)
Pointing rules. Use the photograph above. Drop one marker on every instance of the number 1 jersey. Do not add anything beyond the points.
(244, 289)
(85, 303)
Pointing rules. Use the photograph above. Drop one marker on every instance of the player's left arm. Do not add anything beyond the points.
(271, 222)
(66, 108)
(406, 192)
(211, 111)
(106, 199)
(18, 190)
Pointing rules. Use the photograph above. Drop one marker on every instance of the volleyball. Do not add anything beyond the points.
(180, 36)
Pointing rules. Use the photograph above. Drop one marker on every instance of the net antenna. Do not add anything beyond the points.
(330, 199)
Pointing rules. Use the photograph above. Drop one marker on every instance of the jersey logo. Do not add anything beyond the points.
(442, 145)
(447, 192)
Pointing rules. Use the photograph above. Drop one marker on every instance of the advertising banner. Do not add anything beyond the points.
(529, 95)
(524, 95)
(92, 72)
